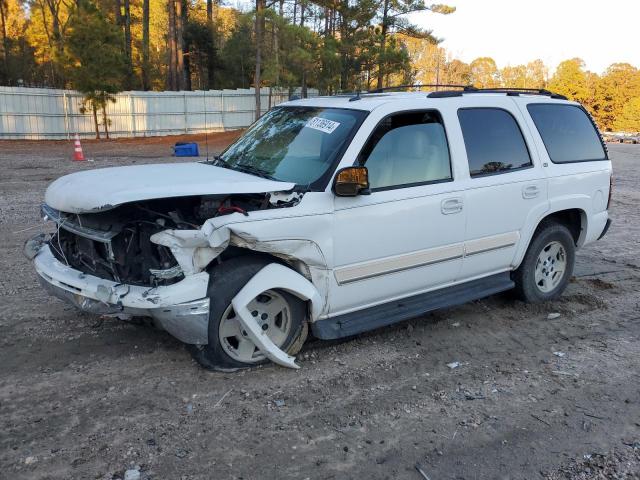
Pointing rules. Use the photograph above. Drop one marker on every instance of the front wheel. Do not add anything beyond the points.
(281, 315)
(548, 264)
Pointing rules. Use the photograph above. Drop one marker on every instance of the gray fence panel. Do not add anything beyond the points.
(48, 114)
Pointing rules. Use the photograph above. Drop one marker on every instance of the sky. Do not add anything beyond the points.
(518, 31)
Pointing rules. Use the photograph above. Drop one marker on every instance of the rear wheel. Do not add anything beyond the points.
(281, 315)
(548, 264)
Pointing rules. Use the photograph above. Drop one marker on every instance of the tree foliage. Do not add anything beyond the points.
(629, 118)
(96, 63)
(331, 45)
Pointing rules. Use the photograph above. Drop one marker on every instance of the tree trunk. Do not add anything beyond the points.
(172, 77)
(127, 45)
(57, 36)
(118, 10)
(179, 20)
(276, 44)
(344, 60)
(186, 59)
(303, 75)
(257, 81)
(105, 120)
(383, 43)
(58, 40)
(95, 119)
(146, 82)
(211, 53)
(5, 40)
(326, 20)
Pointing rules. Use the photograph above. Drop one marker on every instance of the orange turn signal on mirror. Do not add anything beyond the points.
(357, 175)
(351, 181)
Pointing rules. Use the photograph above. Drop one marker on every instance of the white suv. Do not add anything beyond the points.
(340, 214)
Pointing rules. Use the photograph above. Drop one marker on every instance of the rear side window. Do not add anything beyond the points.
(493, 141)
(567, 132)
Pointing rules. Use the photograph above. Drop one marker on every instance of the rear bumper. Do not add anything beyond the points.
(181, 309)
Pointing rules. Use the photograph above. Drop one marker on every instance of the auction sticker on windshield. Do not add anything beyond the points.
(322, 124)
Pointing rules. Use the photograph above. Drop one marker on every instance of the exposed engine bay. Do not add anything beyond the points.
(115, 244)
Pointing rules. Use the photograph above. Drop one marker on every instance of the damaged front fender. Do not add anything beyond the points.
(273, 276)
(194, 250)
(190, 248)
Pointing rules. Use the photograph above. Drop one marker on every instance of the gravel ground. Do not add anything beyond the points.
(86, 398)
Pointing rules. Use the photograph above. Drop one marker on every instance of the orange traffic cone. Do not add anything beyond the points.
(78, 156)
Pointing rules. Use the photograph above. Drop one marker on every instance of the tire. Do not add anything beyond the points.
(537, 281)
(225, 281)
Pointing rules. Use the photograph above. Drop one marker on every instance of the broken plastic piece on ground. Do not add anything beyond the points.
(453, 365)
(132, 474)
(559, 354)
(552, 316)
(421, 471)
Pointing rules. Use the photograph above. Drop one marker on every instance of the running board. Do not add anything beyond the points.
(406, 308)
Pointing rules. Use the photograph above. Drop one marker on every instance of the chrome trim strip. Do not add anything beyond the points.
(421, 258)
(374, 268)
(486, 250)
(493, 242)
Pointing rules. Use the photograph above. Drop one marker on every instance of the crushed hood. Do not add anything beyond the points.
(105, 188)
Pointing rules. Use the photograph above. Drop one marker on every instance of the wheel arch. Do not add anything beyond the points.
(575, 219)
(289, 274)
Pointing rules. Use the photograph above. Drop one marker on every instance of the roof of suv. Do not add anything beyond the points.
(370, 101)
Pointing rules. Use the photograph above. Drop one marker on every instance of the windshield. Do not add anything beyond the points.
(293, 144)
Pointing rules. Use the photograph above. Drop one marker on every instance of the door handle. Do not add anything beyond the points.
(451, 205)
(530, 191)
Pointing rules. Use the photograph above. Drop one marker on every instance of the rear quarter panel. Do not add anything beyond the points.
(577, 185)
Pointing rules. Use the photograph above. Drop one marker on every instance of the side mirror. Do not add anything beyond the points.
(352, 181)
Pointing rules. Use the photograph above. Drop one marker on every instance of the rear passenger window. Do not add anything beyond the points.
(407, 149)
(493, 141)
(567, 132)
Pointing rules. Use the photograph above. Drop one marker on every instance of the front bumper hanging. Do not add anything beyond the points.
(182, 309)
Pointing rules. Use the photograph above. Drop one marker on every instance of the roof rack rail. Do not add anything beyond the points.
(434, 85)
(506, 90)
(353, 95)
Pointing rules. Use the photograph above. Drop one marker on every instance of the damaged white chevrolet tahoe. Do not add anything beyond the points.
(339, 215)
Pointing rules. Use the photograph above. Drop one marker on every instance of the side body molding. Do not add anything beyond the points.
(274, 276)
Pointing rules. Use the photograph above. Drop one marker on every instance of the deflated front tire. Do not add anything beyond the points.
(281, 316)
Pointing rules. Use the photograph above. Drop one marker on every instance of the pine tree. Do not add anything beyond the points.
(393, 19)
(93, 50)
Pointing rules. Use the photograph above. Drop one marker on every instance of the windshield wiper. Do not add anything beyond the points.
(247, 168)
(218, 161)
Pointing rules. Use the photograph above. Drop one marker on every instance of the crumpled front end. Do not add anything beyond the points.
(182, 308)
(152, 259)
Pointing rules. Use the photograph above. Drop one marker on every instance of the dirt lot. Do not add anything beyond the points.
(85, 398)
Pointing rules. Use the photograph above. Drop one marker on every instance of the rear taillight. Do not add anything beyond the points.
(610, 191)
